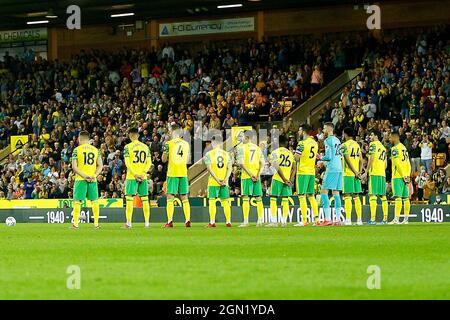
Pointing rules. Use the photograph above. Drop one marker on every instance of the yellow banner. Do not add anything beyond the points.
(235, 131)
(17, 143)
(56, 203)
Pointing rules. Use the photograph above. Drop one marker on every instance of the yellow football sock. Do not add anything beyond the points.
(187, 209)
(285, 208)
(169, 209)
(358, 207)
(96, 211)
(146, 209)
(273, 209)
(259, 209)
(76, 212)
(304, 209)
(314, 207)
(384, 207)
(398, 207)
(407, 205)
(373, 208)
(245, 209)
(212, 210)
(129, 209)
(348, 207)
(226, 205)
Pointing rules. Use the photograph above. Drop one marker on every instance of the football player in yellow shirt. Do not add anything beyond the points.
(87, 165)
(283, 161)
(138, 162)
(351, 165)
(376, 169)
(251, 160)
(401, 177)
(306, 155)
(177, 154)
(219, 165)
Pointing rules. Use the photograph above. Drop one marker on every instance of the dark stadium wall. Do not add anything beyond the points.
(395, 14)
(110, 38)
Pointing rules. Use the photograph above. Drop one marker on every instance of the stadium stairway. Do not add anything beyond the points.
(308, 112)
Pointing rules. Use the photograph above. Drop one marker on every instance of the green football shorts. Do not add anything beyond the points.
(279, 189)
(177, 185)
(133, 187)
(250, 188)
(222, 192)
(352, 185)
(83, 190)
(400, 188)
(377, 185)
(305, 184)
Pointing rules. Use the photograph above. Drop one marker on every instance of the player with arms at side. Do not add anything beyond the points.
(177, 153)
(306, 155)
(219, 165)
(376, 169)
(283, 161)
(87, 165)
(138, 162)
(251, 160)
(401, 173)
(332, 179)
(351, 152)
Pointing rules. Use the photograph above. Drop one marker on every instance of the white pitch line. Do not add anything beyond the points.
(102, 217)
(36, 218)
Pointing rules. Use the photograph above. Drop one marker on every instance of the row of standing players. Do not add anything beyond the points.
(344, 170)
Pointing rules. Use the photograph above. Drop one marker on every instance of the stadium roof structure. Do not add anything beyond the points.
(14, 14)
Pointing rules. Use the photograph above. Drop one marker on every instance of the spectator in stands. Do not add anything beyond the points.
(429, 188)
(440, 178)
(158, 177)
(420, 181)
(446, 187)
(414, 154)
(234, 183)
(228, 122)
(370, 109)
(426, 154)
(337, 112)
(316, 79)
(28, 187)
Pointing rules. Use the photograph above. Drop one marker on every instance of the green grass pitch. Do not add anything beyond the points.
(221, 263)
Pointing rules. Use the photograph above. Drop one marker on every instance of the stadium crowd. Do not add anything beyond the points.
(404, 86)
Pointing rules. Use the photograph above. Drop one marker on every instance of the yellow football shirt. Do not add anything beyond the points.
(307, 149)
(178, 151)
(86, 156)
(284, 159)
(351, 149)
(378, 151)
(219, 160)
(137, 159)
(400, 161)
(250, 155)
